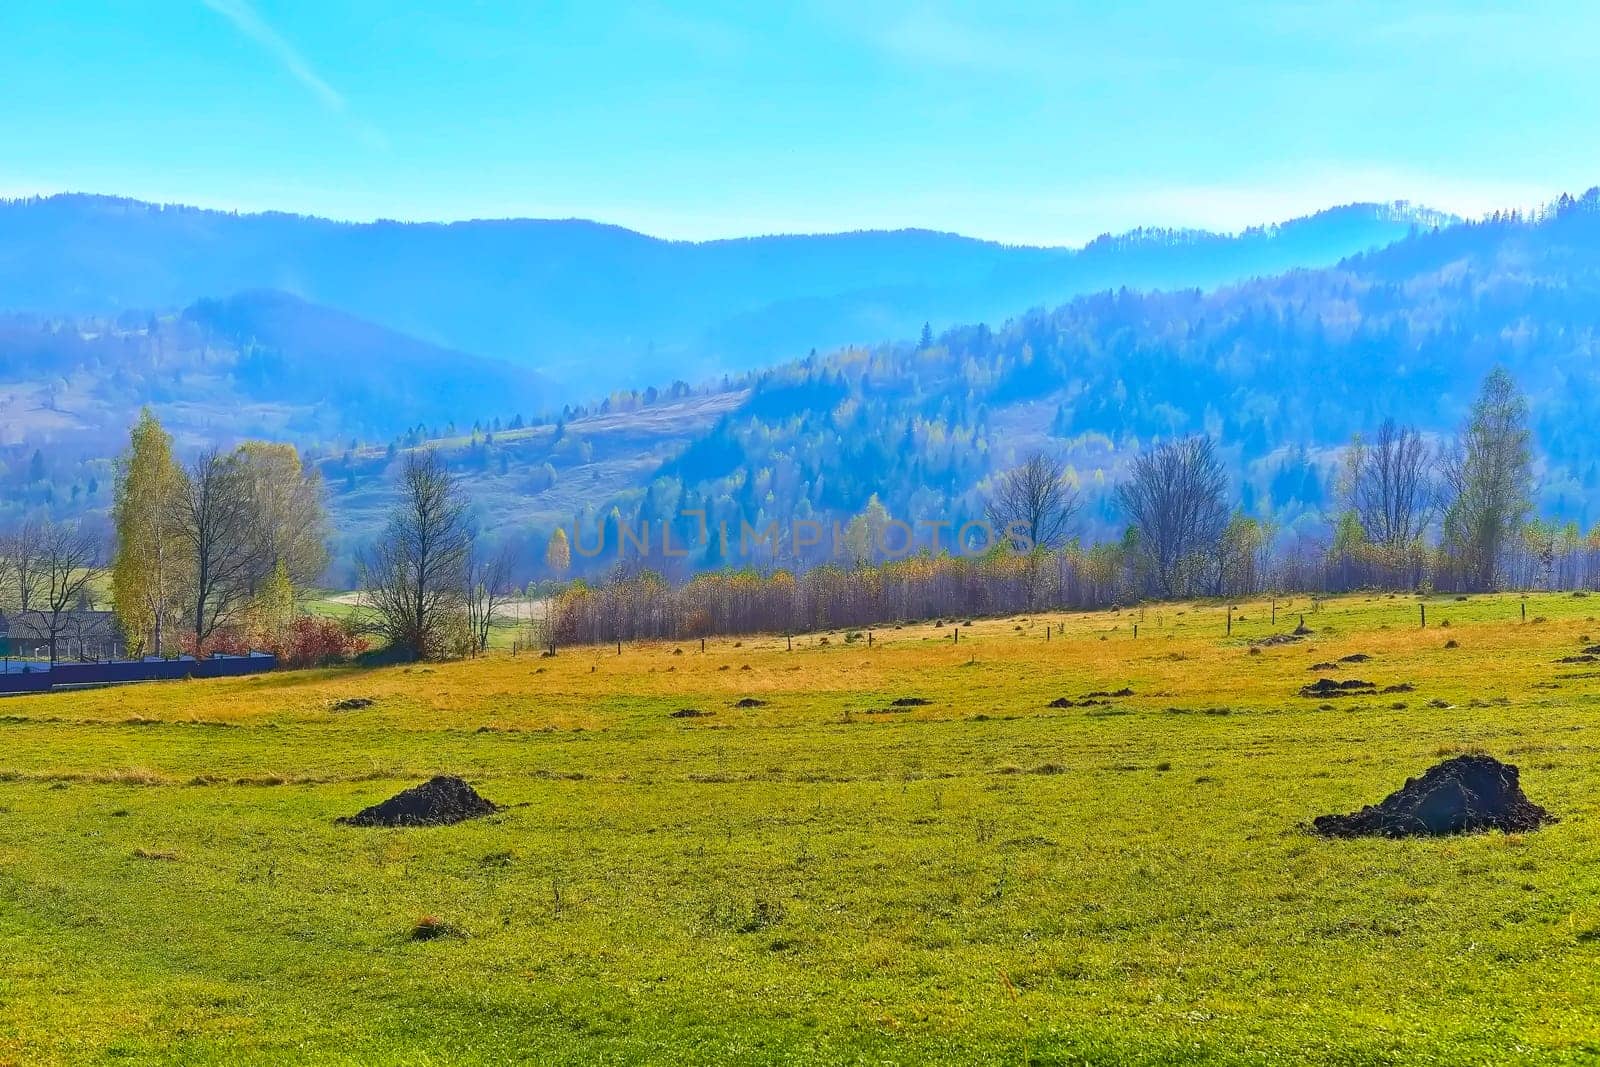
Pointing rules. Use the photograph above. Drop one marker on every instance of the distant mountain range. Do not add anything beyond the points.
(593, 307)
(1280, 367)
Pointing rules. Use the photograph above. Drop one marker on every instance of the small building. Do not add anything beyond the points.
(80, 635)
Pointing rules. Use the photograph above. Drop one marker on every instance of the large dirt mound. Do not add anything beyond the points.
(1458, 796)
(1327, 687)
(436, 802)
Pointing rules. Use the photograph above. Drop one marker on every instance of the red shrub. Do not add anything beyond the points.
(314, 641)
(309, 641)
(229, 642)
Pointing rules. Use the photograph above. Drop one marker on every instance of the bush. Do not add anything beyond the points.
(228, 642)
(314, 641)
(308, 641)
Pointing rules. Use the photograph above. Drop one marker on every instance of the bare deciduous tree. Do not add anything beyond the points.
(8, 567)
(216, 526)
(1389, 485)
(24, 548)
(1174, 499)
(67, 556)
(1033, 504)
(414, 579)
(488, 588)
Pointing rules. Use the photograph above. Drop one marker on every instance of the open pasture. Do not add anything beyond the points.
(895, 852)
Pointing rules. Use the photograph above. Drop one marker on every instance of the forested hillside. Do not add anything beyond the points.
(1281, 371)
(598, 307)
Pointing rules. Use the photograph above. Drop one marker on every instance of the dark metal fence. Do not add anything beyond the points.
(22, 677)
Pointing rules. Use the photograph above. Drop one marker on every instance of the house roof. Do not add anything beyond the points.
(35, 625)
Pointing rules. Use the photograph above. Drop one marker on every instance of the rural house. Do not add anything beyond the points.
(80, 635)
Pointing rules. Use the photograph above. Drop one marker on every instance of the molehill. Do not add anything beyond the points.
(437, 802)
(1458, 796)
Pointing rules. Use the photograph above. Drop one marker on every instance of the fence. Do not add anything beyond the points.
(18, 677)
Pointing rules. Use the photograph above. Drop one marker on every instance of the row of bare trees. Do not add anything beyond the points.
(1475, 491)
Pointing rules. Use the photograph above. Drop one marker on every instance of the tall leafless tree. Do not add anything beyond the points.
(24, 548)
(8, 566)
(216, 527)
(1390, 485)
(1175, 500)
(488, 588)
(67, 556)
(1033, 504)
(414, 579)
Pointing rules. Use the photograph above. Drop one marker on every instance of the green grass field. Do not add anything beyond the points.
(825, 878)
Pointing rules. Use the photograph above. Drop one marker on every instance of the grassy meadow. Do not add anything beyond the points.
(826, 877)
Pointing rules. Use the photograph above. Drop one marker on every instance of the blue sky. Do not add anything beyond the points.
(1024, 122)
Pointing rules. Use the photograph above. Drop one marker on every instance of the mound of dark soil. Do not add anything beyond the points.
(689, 713)
(751, 702)
(436, 802)
(1323, 667)
(353, 704)
(1123, 692)
(1585, 657)
(1327, 687)
(1277, 639)
(1460, 795)
(910, 702)
(1355, 657)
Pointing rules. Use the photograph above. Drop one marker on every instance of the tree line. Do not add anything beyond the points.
(1413, 516)
(214, 554)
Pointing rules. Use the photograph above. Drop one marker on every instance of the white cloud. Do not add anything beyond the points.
(248, 22)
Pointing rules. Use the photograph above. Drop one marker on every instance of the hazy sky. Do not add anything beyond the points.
(1029, 122)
